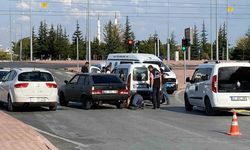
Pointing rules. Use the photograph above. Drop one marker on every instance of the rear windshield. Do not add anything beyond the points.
(140, 74)
(35, 76)
(105, 79)
(2, 74)
(234, 79)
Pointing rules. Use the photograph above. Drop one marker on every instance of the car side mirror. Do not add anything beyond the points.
(170, 68)
(66, 82)
(188, 79)
(3, 79)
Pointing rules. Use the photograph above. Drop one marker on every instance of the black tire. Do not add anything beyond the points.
(188, 106)
(53, 107)
(62, 100)
(208, 108)
(120, 105)
(170, 91)
(10, 106)
(86, 102)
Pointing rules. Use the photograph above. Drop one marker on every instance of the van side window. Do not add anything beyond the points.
(202, 74)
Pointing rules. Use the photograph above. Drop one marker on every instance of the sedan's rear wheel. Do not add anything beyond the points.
(10, 106)
(62, 100)
(86, 102)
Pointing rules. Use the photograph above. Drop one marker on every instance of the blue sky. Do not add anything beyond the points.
(146, 16)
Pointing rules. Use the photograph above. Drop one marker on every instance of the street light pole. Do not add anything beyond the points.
(10, 49)
(31, 38)
(217, 40)
(211, 29)
(88, 36)
(227, 33)
(168, 39)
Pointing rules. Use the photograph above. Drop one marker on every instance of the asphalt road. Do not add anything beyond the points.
(107, 128)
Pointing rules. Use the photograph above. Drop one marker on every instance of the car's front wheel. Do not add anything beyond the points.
(86, 102)
(188, 106)
(10, 106)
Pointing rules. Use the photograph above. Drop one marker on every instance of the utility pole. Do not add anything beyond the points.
(211, 29)
(227, 33)
(31, 38)
(168, 39)
(158, 47)
(77, 51)
(10, 49)
(217, 40)
(21, 42)
(88, 33)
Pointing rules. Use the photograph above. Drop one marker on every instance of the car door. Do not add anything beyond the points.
(7, 85)
(80, 87)
(70, 88)
(194, 88)
(3, 87)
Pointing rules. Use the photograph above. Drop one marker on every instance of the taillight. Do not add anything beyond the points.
(214, 84)
(21, 85)
(123, 92)
(51, 85)
(95, 92)
(129, 80)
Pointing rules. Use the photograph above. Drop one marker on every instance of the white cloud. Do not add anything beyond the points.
(24, 18)
(23, 5)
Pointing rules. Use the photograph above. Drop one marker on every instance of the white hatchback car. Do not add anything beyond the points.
(219, 86)
(29, 87)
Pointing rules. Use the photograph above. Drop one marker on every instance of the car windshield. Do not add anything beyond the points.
(35, 76)
(2, 74)
(234, 79)
(105, 79)
(161, 64)
(140, 74)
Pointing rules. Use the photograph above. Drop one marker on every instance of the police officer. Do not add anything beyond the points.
(155, 83)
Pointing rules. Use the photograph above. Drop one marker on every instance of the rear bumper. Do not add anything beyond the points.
(42, 99)
(46, 104)
(109, 98)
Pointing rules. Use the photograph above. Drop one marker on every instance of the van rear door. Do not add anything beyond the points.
(140, 79)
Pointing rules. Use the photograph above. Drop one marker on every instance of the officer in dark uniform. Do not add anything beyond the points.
(155, 83)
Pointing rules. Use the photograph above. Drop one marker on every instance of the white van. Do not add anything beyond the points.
(134, 58)
(137, 78)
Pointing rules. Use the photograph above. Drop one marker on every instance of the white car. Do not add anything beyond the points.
(29, 87)
(219, 86)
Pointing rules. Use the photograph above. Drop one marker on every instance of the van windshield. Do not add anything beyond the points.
(140, 74)
(159, 63)
(234, 79)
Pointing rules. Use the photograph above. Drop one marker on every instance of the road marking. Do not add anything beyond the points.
(61, 138)
(178, 97)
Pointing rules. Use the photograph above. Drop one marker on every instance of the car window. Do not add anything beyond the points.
(122, 73)
(12, 75)
(3, 74)
(7, 76)
(160, 64)
(74, 80)
(234, 79)
(105, 79)
(140, 74)
(202, 74)
(81, 80)
(35, 76)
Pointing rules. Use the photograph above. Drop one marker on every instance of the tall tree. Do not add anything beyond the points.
(128, 34)
(51, 42)
(43, 40)
(204, 45)
(81, 43)
(222, 41)
(195, 48)
(173, 45)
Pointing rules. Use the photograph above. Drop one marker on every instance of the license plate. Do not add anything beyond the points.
(169, 85)
(110, 91)
(37, 99)
(239, 98)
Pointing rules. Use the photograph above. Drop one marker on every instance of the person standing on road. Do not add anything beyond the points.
(155, 84)
(85, 68)
(164, 93)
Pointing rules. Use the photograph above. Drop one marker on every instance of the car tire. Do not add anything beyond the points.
(86, 103)
(53, 107)
(188, 106)
(170, 91)
(208, 108)
(10, 106)
(120, 105)
(62, 100)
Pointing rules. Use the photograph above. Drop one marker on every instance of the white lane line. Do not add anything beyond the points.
(61, 138)
(178, 97)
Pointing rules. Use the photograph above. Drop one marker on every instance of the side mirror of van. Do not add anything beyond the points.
(170, 68)
(188, 79)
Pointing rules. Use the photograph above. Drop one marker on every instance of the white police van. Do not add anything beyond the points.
(169, 76)
(219, 86)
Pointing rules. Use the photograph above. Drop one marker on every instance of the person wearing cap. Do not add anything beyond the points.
(155, 84)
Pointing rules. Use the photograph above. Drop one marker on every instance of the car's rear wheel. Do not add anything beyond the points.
(62, 100)
(86, 102)
(208, 108)
(53, 107)
(10, 106)
(188, 106)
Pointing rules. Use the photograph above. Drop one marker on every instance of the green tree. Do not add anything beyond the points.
(42, 40)
(81, 44)
(128, 34)
(173, 45)
(205, 46)
(195, 48)
(51, 42)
